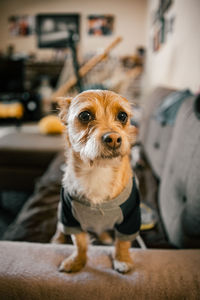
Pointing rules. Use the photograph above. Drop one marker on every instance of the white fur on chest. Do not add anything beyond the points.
(94, 182)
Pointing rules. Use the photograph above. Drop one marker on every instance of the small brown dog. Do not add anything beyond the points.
(99, 191)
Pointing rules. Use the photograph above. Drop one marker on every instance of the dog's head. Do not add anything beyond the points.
(98, 124)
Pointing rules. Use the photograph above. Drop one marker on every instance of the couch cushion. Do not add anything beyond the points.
(156, 145)
(150, 103)
(30, 271)
(180, 187)
(153, 136)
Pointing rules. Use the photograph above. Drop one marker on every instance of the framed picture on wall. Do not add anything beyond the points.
(21, 25)
(100, 25)
(57, 30)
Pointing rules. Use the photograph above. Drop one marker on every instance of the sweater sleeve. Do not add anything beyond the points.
(129, 228)
(69, 225)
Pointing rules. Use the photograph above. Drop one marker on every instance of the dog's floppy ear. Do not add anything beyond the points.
(133, 131)
(64, 104)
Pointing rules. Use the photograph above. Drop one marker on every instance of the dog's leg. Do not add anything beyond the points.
(77, 260)
(105, 238)
(122, 262)
(58, 238)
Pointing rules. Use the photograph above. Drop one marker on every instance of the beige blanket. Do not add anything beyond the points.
(30, 271)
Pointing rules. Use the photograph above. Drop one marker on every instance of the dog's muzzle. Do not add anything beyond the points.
(112, 140)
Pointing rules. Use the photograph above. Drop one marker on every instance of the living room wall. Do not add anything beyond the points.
(130, 22)
(177, 62)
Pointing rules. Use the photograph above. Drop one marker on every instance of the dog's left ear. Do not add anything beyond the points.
(64, 104)
(133, 134)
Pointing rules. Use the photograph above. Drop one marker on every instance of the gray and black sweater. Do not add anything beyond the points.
(121, 213)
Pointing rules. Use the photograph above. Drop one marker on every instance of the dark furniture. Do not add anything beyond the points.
(24, 157)
(35, 71)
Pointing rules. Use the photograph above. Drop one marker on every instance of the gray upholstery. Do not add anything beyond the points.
(157, 142)
(154, 137)
(180, 183)
(173, 152)
(151, 102)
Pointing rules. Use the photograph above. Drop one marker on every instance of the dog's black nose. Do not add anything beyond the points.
(112, 139)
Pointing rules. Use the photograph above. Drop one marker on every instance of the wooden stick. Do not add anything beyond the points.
(133, 73)
(84, 70)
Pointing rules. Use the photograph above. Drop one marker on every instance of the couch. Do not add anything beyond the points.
(29, 271)
(173, 153)
(28, 263)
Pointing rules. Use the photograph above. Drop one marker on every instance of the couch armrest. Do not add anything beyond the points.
(30, 271)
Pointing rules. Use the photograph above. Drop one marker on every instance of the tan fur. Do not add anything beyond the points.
(93, 170)
(122, 251)
(77, 260)
(58, 238)
(122, 260)
(105, 238)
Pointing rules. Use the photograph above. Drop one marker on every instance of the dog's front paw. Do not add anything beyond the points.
(122, 266)
(72, 264)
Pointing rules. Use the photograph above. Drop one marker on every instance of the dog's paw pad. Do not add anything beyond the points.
(121, 266)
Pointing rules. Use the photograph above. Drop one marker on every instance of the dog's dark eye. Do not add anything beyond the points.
(85, 116)
(122, 117)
